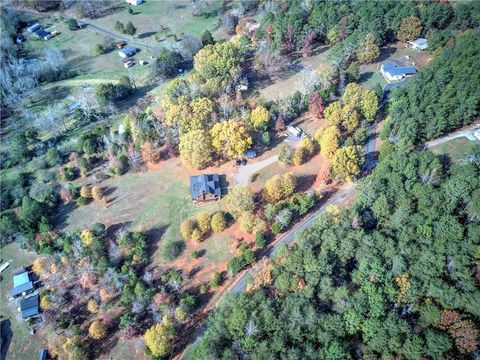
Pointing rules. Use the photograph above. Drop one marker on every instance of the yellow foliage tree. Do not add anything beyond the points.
(259, 118)
(280, 187)
(404, 285)
(263, 277)
(45, 302)
(333, 211)
(219, 223)
(327, 74)
(410, 29)
(105, 295)
(230, 138)
(369, 104)
(92, 306)
(249, 223)
(350, 119)
(159, 339)
(186, 228)
(85, 192)
(329, 142)
(97, 193)
(347, 161)
(39, 265)
(239, 199)
(368, 50)
(189, 116)
(203, 221)
(87, 237)
(333, 114)
(196, 148)
(196, 235)
(97, 330)
(72, 349)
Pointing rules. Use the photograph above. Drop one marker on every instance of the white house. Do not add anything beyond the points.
(134, 2)
(392, 72)
(420, 44)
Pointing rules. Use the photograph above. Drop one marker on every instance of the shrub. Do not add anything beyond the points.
(260, 240)
(172, 249)
(285, 154)
(53, 157)
(97, 193)
(85, 192)
(203, 289)
(216, 279)
(68, 174)
(276, 228)
(266, 138)
(81, 201)
(186, 228)
(97, 330)
(219, 222)
(203, 222)
(195, 254)
(197, 235)
(36, 163)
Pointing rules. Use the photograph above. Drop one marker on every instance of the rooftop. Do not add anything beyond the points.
(29, 306)
(203, 184)
(394, 69)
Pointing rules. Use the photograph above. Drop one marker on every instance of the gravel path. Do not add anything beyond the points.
(245, 172)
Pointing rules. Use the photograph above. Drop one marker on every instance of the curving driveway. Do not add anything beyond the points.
(245, 172)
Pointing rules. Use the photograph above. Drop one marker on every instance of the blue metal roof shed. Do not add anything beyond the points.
(43, 354)
(22, 288)
(29, 306)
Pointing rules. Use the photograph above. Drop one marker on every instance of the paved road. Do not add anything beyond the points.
(287, 238)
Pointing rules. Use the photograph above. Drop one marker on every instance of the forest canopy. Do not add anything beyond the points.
(397, 275)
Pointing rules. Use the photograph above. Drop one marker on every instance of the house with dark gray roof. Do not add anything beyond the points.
(205, 187)
(393, 72)
(29, 306)
(127, 51)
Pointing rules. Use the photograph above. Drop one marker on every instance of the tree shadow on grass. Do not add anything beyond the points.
(62, 212)
(153, 237)
(305, 182)
(146, 35)
(6, 333)
(364, 77)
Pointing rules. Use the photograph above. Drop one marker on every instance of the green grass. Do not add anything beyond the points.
(456, 149)
(23, 346)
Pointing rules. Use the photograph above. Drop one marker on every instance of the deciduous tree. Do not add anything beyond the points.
(230, 138)
(239, 199)
(97, 330)
(347, 161)
(368, 50)
(159, 339)
(196, 148)
(410, 29)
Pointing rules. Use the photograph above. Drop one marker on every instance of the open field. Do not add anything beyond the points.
(291, 80)
(174, 17)
(456, 149)
(22, 345)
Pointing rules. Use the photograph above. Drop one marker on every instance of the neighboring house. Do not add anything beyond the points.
(42, 34)
(295, 131)
(393, 72)
(22, 283)
(43, 354)
(205, 187)
(420, 44)
(29, 306)
(127, 51)
(34, 27)
(134, 2)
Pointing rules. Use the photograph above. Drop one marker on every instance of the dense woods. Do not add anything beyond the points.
(442, 98)
(395, 276)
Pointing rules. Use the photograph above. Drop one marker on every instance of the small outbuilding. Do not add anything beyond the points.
(134, 2)
(295, 131)
(392, 72)
(43, 354)
(205, 187)
(420, 44)
(127, 51)
(34, 27)
(22, 283)
(42, 34)
(29, 306)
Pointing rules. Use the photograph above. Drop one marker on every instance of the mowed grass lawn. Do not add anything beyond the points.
(156, 201)
(456, 149)
(22, 345)
(151, 16)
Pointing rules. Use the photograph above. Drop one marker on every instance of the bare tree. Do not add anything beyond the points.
(51, 119)
(268, 63)
(55, 60)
